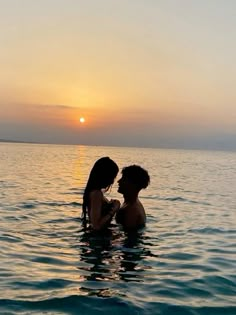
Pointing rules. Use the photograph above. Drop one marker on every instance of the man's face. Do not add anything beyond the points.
(123, 185)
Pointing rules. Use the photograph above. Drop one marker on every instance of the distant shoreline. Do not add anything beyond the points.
(15, 141)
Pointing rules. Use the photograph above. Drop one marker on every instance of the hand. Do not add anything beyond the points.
(115, 205)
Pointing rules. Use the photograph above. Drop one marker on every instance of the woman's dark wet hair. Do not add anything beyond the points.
(102, 176)
(137, 175)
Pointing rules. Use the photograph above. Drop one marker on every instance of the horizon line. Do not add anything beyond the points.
(115, 146)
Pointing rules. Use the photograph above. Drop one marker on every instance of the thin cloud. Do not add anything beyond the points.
(54, 106)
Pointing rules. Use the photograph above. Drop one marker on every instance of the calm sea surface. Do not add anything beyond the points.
(184, 262)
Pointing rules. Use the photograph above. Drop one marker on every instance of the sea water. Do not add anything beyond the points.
(183, 262)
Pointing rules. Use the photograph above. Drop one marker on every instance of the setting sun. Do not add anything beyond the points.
(81, 120)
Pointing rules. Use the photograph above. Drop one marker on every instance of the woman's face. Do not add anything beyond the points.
(108, 182)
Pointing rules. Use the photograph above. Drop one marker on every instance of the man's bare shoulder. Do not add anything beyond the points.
(133, 207)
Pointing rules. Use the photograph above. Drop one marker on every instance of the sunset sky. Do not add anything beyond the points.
(154, 73)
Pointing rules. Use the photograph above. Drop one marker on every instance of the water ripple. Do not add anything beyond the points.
(183, 262)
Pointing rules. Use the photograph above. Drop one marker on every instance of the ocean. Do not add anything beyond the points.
(183, 262)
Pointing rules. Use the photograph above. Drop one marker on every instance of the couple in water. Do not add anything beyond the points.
(99, 211)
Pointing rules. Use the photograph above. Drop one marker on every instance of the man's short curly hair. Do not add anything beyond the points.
(137, 176)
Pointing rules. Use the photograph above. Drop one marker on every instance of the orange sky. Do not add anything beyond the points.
(154, 70)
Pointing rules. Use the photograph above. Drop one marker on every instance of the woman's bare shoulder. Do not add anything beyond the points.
(96, 194)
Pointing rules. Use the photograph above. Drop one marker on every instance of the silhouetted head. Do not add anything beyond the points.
(103, 173)
(102, 176)
(134, 178)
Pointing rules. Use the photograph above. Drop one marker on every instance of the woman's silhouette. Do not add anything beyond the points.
(96, 207)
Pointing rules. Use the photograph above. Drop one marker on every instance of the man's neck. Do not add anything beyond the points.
(130, 198)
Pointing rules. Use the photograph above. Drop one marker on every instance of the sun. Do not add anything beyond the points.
(82, 120)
